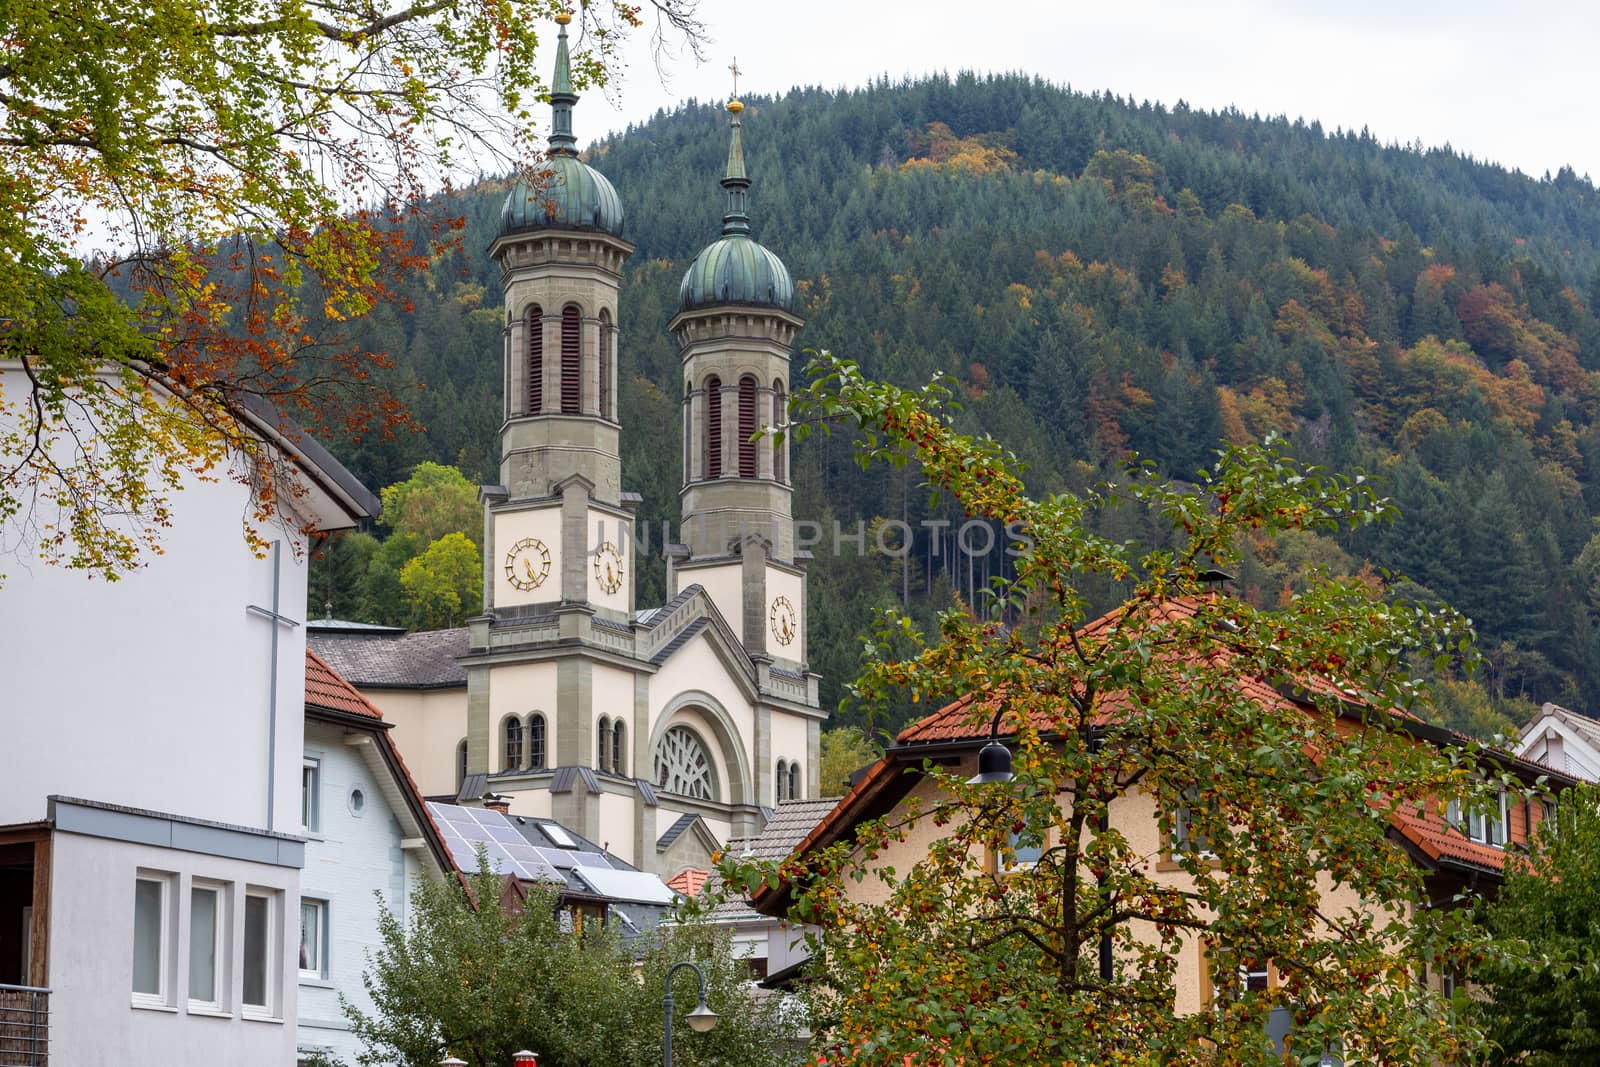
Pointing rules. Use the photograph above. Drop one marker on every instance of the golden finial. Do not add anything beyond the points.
(563, 18)
(734, 107)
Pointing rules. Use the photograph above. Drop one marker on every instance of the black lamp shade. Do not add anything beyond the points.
(994, 765)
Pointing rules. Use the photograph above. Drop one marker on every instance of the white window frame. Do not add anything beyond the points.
(311, 798)
(319, 973)
(1182, 842)
(1477, 824)
(161, 998)
(272, 981)
(220, 971)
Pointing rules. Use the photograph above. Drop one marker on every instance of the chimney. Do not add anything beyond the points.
(524, 1059)
(498, 802)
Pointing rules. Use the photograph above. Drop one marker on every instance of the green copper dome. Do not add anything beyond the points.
(577, 197)
(736, 270)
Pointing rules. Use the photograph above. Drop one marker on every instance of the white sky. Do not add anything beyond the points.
(1513, 83)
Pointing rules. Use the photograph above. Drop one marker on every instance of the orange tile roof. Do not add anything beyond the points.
(326, 689)
(959, 722)
(688, 881)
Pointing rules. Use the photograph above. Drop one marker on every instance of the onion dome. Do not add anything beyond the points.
(734, 269)
(566, 193)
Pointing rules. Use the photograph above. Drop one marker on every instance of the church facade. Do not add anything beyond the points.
(665, 731)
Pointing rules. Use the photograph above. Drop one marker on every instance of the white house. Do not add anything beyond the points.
(1563, 739)
(150, 811)
(371, 838)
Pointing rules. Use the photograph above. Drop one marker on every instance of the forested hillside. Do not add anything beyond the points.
(1104, 278)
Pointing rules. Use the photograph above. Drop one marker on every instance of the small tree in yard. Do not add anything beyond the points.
(480, 982)
(1268, 741)
(1543, 982)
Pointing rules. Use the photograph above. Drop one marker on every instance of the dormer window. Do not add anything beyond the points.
(1489, 826)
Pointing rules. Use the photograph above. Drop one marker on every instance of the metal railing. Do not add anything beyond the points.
(24, 1026)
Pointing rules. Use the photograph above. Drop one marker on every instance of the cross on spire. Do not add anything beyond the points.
(734, 68)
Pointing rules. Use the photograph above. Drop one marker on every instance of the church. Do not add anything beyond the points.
(660, 731)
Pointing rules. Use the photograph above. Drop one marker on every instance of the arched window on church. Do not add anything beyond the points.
(747, 427)
(602, 744)
(571, 360)
(780, 411)
(536, 741)
(608, 403)
(511, 750)
(781, 782)
(713, 427)
(683, 766)
(618, 764)
(687, 430)
(533, 322)
(461, 764)
(794, 781)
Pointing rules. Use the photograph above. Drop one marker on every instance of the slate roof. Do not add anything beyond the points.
(675, 831)
(790, 823)
(428, 659)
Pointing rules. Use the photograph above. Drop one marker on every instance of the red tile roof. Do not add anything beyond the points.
(962, 721)
(326, 689)
(688, 881)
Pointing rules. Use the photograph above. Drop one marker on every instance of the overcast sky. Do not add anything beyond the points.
(1515, 83)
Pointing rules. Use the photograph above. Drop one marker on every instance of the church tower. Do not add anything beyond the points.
(735, 327)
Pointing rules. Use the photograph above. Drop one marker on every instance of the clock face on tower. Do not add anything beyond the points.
(608, 567)
(528, 563)
(782, 616)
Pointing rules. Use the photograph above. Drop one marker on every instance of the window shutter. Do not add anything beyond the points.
(571, 361)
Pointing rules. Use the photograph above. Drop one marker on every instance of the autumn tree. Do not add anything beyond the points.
(482, 982)
(1271, 746)
(1542, 1006)
(444, 585)
(436, 500)
(253, 170)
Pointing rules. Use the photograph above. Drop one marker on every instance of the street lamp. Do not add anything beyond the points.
(994, 759)
(700, 1020)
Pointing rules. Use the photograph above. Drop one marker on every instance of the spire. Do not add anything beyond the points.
(735, 220)
(562, 142)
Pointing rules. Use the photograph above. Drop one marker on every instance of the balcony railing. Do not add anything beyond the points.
(24, 1026)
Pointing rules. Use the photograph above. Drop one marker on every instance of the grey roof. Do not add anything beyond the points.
(675, 831)
(1581, 724)
(313, 458)
(351, 627)
(473, 787)
(565, 777)
(791, 821)
(425, 660)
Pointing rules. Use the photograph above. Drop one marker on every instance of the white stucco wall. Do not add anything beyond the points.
(153, 691)
(353, 861)
(516, 689)
(616, 825)
(428, 724)
(92, 1020)
(724, 584)
(789, 744)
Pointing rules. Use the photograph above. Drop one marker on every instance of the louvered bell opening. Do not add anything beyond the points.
(535, 360)
(607, 407)
(747, 427)
(571, 361)
(714, 428)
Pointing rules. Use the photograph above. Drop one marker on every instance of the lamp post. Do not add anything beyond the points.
(700, 1020)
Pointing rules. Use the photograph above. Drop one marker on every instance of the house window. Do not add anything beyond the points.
(310, 795)
(571, 360)
(512, 755)
(617, 764)
(206, 924)
(536, 741)
(313, 939)
(535, 327)
(747, 427)
(260, 955)
(151, 933)
(1025, 850)
(1486, 826)
(781, 786)
(1186, 837)
(1254, 977)
(602, 744)
(713, 427)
